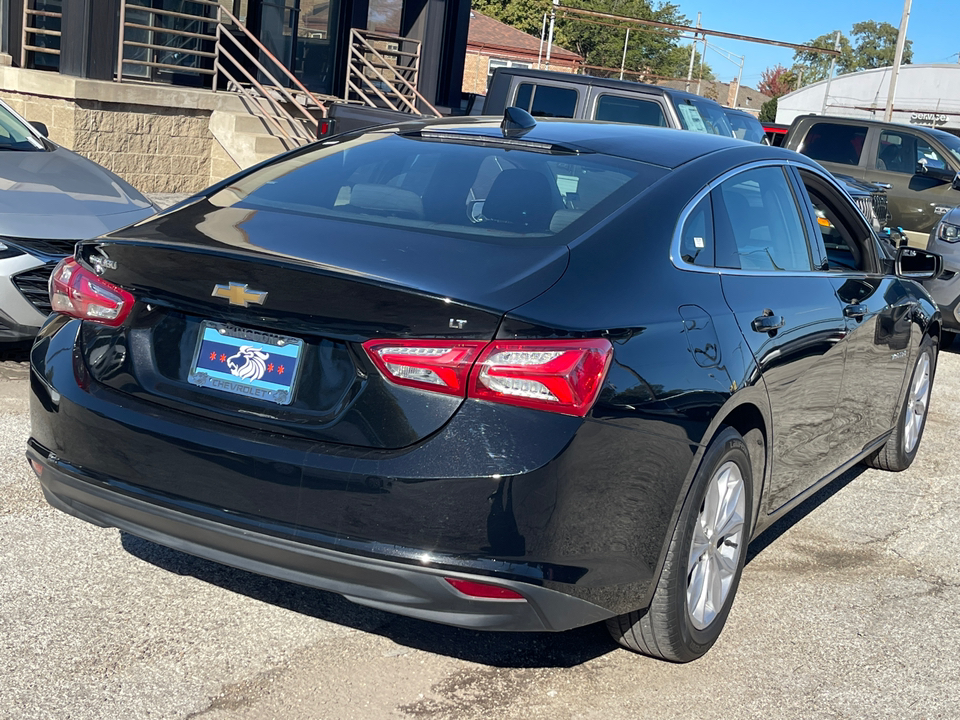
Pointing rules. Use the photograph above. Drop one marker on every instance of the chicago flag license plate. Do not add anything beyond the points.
(247, 362)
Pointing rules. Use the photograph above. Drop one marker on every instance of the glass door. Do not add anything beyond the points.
(278, 26)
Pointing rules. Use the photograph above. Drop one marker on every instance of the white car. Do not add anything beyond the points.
(50, 198)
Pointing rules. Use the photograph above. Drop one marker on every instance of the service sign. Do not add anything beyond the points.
(928, 118)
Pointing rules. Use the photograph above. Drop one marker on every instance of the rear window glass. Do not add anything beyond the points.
(834, 143)
(614, 108)
(454, 186)
(547, 100)
(746, 127)
(702, 116)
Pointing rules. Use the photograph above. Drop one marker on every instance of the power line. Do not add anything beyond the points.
(702, 31)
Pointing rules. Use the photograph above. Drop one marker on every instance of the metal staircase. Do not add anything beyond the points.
(383, 71)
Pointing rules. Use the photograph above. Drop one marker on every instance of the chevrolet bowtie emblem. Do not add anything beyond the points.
(237, 294)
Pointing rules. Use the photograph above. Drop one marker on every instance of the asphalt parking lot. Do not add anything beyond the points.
(847, 609)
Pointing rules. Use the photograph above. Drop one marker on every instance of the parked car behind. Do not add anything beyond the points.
(543, 93)
(49, 199)
(775, 133)
(945, 289)
(869, 198)
(745, 126)
(918, 165)
(526, 377)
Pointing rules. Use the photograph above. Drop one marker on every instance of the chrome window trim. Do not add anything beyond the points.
(681, 264)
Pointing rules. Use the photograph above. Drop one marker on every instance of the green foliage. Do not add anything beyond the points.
(525, 15)
(873, 45)
(777, 81)
(768, 111)
(648, 53)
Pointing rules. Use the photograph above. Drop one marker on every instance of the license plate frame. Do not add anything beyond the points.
(257, 367)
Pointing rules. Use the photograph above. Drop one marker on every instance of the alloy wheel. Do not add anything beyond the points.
(917, 402)
(716, 546)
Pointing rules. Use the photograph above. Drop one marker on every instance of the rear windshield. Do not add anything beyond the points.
(451, 187)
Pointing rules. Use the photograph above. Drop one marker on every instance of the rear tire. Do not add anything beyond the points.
(899, 451)
(704, 561)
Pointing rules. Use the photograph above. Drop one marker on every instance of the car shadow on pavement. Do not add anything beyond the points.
(775, 531)
(498, 649)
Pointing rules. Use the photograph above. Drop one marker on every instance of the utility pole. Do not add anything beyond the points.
(693, 54)
(623, 62)
(897, 59)
(736, 93)
(703, 59)
(543, 37)
(833, 65)
(553, 19)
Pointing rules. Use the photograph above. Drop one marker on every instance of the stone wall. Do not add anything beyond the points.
(154, 149)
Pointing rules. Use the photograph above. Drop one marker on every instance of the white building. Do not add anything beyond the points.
(926, 95)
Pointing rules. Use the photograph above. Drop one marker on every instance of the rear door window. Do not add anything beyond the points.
(759, 225)
(547, 100)
(617, 108)
(834, 143)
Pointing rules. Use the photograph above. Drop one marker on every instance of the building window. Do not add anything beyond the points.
(500, 62)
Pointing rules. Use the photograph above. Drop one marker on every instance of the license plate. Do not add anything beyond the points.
(246, 362)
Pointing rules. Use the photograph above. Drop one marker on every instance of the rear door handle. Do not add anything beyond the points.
(855, 311)
(767, 322)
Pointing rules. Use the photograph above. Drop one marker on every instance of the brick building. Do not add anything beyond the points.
(492, 44)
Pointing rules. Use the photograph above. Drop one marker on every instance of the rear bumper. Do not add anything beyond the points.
(573, 514)
(415, 591)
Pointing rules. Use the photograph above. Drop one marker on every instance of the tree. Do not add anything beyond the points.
(777, 81)
(873, 45)
(768, 111)
(648, 53)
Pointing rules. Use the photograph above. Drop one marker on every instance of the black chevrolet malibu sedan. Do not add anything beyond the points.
(512, 377)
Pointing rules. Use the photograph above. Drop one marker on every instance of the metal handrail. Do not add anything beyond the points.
(160, 30)
(25, 46)
(406, 92)
(260, 46)
(265, 94)
(218, 66)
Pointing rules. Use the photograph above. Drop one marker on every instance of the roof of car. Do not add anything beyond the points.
(655, 145)
(627, 85)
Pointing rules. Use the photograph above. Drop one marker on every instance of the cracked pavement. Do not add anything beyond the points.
(847, 609)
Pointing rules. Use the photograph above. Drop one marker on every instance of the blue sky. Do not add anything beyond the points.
(932, 28)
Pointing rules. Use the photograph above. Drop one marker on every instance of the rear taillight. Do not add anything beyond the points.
(77, 292)
(562, 376)
(436, 365)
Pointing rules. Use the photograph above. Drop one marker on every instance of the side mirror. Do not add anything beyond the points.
(914, 264)
(40, 128)
(956, 181)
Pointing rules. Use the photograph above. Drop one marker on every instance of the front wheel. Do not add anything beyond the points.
(703, 564)
(901, 447)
